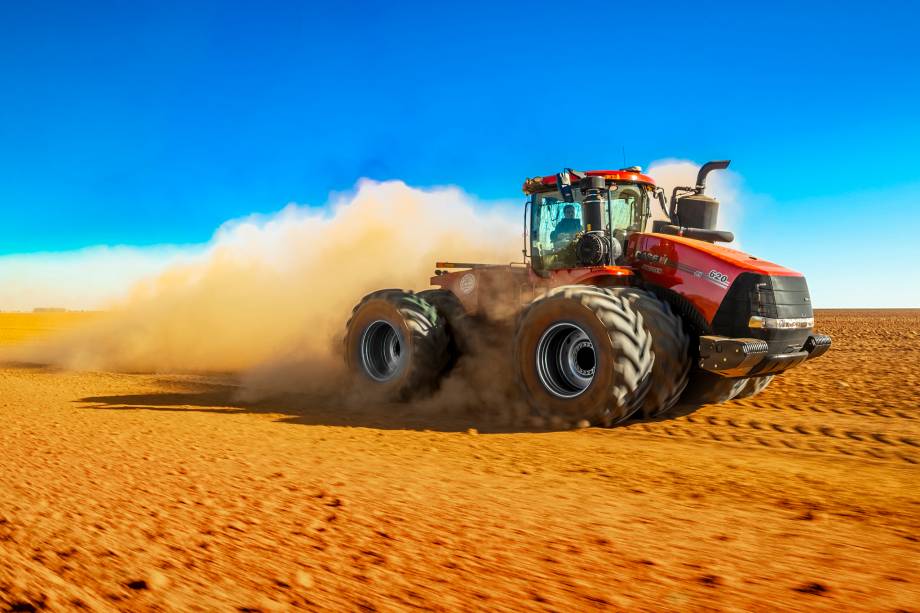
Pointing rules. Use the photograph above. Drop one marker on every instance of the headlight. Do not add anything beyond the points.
(781, 323)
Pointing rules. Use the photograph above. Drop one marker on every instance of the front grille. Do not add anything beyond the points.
(765, 296)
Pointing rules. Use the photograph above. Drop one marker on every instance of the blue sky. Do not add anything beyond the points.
(152, 123)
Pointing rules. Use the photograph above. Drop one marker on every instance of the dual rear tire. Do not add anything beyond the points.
(398, 343)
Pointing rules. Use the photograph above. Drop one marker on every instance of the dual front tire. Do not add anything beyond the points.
(583, 353)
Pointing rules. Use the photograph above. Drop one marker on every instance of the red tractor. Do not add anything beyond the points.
(608, 320)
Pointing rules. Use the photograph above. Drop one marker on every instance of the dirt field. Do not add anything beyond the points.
(140, 492)
(17, 328)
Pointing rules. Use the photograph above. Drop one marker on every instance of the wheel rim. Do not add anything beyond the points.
(566, 360)
(381, 350)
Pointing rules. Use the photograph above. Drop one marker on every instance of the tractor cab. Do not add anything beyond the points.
(583, 219)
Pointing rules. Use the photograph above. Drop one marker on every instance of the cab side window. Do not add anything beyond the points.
(556, 224)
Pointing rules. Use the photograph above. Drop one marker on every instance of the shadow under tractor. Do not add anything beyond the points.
(608, 321)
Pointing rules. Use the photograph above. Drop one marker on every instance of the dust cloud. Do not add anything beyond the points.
(269, 297)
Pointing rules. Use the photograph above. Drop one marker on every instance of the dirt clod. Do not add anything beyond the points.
(812, 587)
(303, 579)
(710, 580)
(157, 580)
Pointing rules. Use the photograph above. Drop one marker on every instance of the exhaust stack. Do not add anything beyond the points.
(692, 211)
(705, 169)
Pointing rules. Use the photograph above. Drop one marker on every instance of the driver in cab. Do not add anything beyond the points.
(568, 225)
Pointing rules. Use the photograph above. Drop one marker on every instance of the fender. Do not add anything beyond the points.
(483, 287)
(592, 275)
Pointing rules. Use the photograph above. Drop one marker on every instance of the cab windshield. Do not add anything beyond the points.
(629, 208)
(557, 225)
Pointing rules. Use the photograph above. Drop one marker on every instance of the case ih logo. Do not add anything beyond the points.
(648, 256)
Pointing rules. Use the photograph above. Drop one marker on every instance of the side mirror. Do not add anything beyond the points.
(564, 185)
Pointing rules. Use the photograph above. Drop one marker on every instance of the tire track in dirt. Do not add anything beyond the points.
(883, 412)
(44, 587)
(793, 436)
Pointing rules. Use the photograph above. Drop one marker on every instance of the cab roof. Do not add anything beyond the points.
(548, 183)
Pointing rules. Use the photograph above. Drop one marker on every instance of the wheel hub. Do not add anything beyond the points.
(381, 350)
(566, 360)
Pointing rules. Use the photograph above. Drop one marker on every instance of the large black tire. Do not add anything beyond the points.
(397, 344)
(671, 346)
(583, 353)
(753, 386)
(459, 324)
(708, 388)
